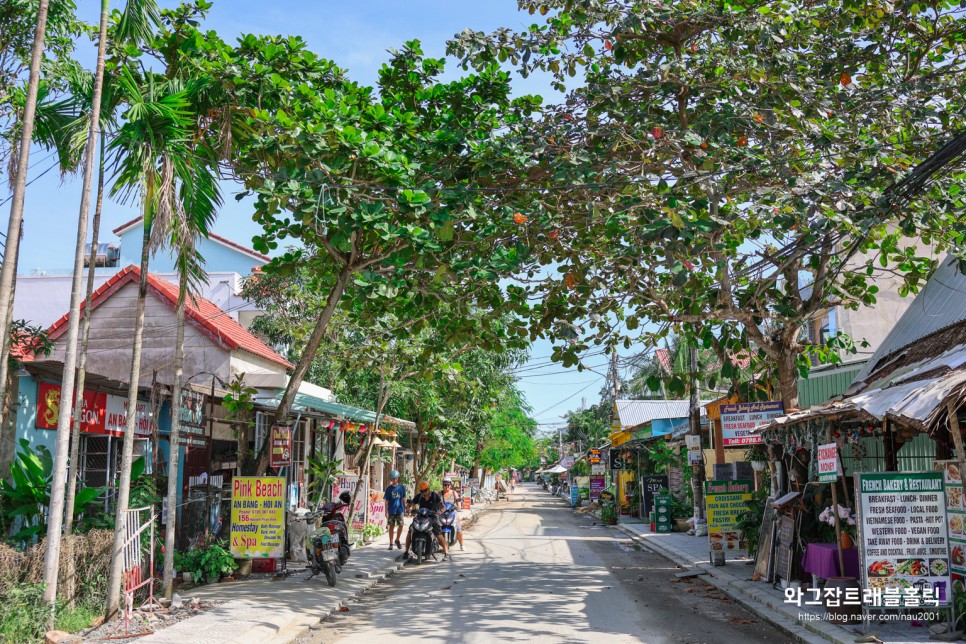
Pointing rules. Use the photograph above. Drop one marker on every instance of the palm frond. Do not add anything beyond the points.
(138, 21)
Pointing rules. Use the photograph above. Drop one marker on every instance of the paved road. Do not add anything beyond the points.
(533, 571)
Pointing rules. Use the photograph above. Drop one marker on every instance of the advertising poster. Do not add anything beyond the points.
(281, 455)
(725, 500)
(192, 416)
(594, 456)
(956, 513)
(738, 419)
(905, 546)
(695, 455)
(597, 485)
(652, 485)
(348, 483)
(257, 517)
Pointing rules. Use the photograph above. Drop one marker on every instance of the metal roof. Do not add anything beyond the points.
(348, 412)
(940, 304)
(637, 412)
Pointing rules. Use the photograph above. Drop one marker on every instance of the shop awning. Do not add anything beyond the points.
(557, 469)
(308, 402)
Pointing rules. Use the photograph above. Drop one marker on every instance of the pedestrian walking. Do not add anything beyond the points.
(395, 507)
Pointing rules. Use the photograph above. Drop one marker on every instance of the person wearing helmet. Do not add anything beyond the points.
(428, 499)
(450, 495)
(346, 498)
(395, 497)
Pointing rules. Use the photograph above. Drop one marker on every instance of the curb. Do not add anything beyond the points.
(749, 594)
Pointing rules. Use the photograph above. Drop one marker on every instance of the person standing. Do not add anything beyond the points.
(450, 495)
(395, 507)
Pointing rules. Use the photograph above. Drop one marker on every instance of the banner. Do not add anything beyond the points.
(905, 544)
(724, 501)
(377, 513)
(281, 454)
(257, 517)
(48, 407)
(738, 419)
(192, 417)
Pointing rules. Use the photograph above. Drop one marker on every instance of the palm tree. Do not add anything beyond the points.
(58, 485)
(151, 158)
(10, 252)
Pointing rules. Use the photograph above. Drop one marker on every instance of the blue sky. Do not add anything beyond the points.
(357, 36)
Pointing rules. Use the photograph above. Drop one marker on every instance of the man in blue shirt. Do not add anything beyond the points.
(395, 507)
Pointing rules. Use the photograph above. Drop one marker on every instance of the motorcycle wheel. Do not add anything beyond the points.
(329, 573)
(419, 558)
(343, 553)
(451, 538)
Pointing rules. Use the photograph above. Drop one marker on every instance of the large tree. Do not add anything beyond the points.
(745, 149)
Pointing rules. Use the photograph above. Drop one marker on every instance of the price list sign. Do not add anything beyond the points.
(905, 547)
(257, 517)
(956, 511)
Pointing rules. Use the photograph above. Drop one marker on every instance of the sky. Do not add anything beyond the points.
(356, 36)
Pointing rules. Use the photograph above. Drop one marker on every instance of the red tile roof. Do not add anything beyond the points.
(205, 315)
(227, 242)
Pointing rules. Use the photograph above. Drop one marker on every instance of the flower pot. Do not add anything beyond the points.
(244, 567)
(681, 525)
(845, 540)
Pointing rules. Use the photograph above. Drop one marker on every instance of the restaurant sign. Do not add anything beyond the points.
(905, 545)
(739, 419)
(101, 413)
(725, 502)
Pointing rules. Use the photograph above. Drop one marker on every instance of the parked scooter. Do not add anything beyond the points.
(328, 544)
(423, 542)
(555, 489)
(448, 518)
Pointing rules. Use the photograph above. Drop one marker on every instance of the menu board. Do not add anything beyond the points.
(725, 500)
(956, 511)
(905, 546)
(597, 485)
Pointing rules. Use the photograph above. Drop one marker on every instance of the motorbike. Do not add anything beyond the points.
(555, 489)
(328, 544)
(423, 543)
(448, 518)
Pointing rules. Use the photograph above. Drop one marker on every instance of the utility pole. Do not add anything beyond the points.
(614, 379)
(694, 416)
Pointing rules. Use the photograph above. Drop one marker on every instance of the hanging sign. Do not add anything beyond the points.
(616, 462)
(281, 444)
(192, 417)
(597, 485)
(597, 468)
(828, 463)
(905, 545)
(695, 455)
(725, 501)
(739, 419)
(594, 456)
(257, 517)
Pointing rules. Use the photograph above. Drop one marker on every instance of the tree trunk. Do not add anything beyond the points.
(788, 379)
(308, 354)
(694, 416)
(8, 270)
(364, 467)
(72, 480)
(8, 429)
(124, 482)
(174, 449)
(58, 485)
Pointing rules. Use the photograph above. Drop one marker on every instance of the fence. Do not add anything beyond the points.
(138, 554)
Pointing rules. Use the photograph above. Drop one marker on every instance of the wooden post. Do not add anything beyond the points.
(835, 510)
(957, 435)
(717, 430)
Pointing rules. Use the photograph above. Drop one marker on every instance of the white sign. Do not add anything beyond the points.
(116, 417)
(597, 468)
(828, 463)
(739, 419)
(695, 455)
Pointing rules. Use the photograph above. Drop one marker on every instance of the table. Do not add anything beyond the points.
(822, 560)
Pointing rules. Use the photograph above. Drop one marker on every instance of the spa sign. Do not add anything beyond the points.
(257, 517)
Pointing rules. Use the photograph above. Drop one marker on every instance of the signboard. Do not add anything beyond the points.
(724, 501)
(192, 418)
(738, 419)
(662, 513)
(616, 462)
(377, 513)
(956, 512)
(281, 443)
(467, 501)
(101, 413)
(574, 495)
(348, 483)
(652, 485)
(597, 485)
(828, 463)
(695, 455)
(905, 544)
(257, 517)
(594, 456)
(597, 468)
(567, 462)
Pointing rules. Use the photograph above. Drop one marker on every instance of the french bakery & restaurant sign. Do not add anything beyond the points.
(738, 421)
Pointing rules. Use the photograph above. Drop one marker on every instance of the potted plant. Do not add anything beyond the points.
(608, 514)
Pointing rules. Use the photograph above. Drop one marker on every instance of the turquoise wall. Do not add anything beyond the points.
(662, 426)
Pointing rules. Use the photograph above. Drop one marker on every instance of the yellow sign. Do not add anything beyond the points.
(724, 501)
(258, 517)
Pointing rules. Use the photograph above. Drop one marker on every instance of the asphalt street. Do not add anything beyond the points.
(533, 571)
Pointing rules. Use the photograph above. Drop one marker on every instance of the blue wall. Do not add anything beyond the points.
(663, 426)
(218, 257)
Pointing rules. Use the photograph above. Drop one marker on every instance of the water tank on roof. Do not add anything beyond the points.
(108, 255)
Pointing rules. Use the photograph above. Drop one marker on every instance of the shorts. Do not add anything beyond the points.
(394, 519)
